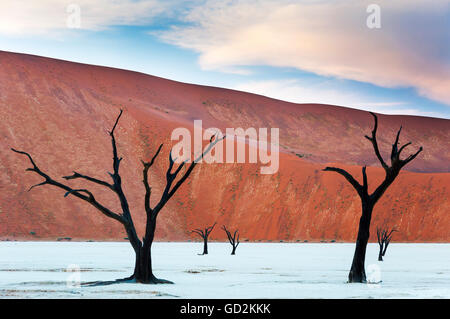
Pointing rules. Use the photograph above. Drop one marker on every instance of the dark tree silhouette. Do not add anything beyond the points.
(368, 201)
(204, 233)
(234, 241)
(143, 272)
(384, 237)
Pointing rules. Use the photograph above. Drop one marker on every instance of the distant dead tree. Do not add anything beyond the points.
(368, 201)
(143, 272)
(384, 237)
(204, 233)
(234, 241)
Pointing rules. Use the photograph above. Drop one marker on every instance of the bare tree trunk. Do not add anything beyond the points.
(357, 272)
(384, 237)
(233, 239)
(204, 233)
(205, 246)
(143, 272)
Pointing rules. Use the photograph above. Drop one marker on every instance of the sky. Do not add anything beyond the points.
(387, 56)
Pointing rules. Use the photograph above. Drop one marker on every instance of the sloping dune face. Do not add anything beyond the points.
(60, 113)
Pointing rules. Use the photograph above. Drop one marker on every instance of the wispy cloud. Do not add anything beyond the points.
(326, 92)
(49, 17)
(328, 38)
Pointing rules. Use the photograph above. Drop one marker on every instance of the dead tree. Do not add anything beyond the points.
(384, 237)
(204, 233)
(234, 241)
(143, 272)
(368, 201)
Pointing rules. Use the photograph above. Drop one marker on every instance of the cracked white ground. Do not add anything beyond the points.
(258, 270)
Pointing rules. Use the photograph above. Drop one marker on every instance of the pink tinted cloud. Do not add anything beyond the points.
(330, 38)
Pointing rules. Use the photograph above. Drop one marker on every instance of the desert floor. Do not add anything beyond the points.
(259, 270)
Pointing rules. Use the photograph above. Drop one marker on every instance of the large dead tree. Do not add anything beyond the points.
(368, 201)
(234, 241)
(143, 272)
(384, 237)
(204, 233)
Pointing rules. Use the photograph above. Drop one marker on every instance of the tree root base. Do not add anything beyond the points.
(131, 279)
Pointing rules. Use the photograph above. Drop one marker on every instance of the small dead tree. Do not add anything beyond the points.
(384, 237)
(234, 241)
(143, 272)
(204, 233)
(368, 201)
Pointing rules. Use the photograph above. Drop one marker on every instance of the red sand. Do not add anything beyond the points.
(59, 112)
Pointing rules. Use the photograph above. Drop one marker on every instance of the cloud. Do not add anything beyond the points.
(49, 17)
(326, 92)
(329, 38)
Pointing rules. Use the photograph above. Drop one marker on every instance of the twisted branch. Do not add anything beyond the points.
(75, 192)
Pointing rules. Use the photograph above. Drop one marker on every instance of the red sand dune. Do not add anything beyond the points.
(60, 111)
